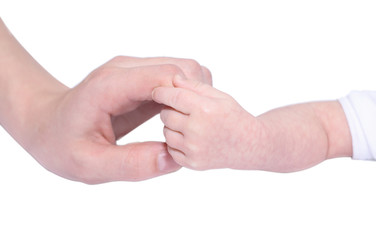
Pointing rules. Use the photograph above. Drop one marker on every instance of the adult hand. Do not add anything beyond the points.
(73, 132)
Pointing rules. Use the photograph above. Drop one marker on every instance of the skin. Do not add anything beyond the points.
(206, 129)
(73, 131)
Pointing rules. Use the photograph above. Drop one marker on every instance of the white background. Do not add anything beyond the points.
(265, 54)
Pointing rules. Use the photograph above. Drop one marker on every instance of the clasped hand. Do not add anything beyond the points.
(79, 126)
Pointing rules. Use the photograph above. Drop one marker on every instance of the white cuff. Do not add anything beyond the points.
(360, 111)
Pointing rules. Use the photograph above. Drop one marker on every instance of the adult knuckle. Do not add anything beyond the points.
(193, 67)
(135, 176)
(89, 180)
(119, 59)
(82, 168)
(98, 83)
(133, 171)
(101, 73)
(84, 174)
(171, 69)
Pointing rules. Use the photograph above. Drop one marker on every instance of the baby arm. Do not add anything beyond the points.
(206, 128)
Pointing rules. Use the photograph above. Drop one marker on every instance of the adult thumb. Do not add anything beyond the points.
(136, 162)
(131, 162)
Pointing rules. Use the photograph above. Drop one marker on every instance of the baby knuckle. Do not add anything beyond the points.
(166, 133)
(198, 165)
(207, 108)
(192, 149)
(177, 97)
(163, 117)
(199, 86)
(230, 99)
(208, 75)
(178, 158)
(190, 127)
(164, 114)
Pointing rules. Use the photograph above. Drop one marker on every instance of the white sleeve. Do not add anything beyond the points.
(360, 111)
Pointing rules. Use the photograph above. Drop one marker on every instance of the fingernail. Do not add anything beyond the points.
(166, 163)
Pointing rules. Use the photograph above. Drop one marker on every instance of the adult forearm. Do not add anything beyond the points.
(300, 136)
(24, 86)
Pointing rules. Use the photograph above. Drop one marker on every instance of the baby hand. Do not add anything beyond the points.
(204, 127)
